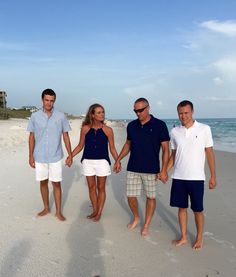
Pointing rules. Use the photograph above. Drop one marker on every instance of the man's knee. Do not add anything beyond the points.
(132, 199)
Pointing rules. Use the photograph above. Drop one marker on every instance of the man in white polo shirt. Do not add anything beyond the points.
(190, 143)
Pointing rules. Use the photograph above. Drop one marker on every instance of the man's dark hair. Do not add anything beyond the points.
(185, 103)
(50, 92)
(141, 99)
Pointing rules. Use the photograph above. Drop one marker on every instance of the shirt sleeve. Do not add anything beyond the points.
(30, 127)
(209, 139)
(172, 141)
(128, 132)
(65, 124)
(165, 133)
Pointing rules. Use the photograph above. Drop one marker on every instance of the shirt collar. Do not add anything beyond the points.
(148, 122)
(43, 110)
(195, 124)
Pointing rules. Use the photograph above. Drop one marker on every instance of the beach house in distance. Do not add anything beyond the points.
(3, 105)
(3, 100)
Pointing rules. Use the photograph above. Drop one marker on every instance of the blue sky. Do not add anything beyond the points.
(113, 52)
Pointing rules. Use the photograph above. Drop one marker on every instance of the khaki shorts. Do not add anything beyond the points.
(138, 181)
(50, 171)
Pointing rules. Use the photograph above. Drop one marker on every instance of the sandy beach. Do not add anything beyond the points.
(33, 246)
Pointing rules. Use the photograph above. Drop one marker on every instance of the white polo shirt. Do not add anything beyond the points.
(190, 144)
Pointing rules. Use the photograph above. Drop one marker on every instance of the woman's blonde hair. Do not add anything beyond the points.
(91, 110)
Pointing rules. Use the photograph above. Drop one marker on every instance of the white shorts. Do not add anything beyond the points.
(50, 171)
(96, 167)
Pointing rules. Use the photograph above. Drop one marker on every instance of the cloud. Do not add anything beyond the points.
(226, 67)
(218, 99)
(140, 90)
(191, 46)
(218, 81)
(227, 28)
(159, 105)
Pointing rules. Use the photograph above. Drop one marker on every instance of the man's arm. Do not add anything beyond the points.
(125, 150)
(66, 139)
(211, 163)
(171, 160)
(31, 149)
(163, 175)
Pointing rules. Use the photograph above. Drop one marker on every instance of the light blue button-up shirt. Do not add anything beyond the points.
(48, 134)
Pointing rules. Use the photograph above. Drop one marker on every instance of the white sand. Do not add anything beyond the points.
(31, 246)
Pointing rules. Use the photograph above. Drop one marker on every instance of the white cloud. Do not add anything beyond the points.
(191, 46)
(218, 99)
(140, 90)
(227, 28)
(218, 81)
(226, 67)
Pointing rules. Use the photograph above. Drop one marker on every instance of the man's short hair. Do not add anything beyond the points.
(50, 92)
(141, 99)
(185, 103)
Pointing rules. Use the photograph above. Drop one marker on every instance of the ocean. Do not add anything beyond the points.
(223, 131)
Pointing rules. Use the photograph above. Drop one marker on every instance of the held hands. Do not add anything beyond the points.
(162, 176)
(69, 161)
(117, 167)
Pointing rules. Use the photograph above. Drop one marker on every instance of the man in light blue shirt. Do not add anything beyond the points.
(46, 127)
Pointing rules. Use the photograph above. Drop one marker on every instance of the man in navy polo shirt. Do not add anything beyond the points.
(145, 136)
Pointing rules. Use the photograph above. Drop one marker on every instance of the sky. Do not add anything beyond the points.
(114, 51)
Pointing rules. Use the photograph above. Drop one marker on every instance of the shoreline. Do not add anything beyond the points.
(13, 132)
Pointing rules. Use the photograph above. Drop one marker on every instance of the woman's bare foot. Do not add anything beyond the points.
(43, 212)
(60, 216)
(179, 242)
(92, 215)
(133, 224)
(97, 217)
(144, 231)
(198, 244)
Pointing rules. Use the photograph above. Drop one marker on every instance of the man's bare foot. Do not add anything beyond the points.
(133, 224)
(60, 216)
(179, 242)
(92, 215)
(197, 245)
(144, 231)
(43, 212)
(97, 217)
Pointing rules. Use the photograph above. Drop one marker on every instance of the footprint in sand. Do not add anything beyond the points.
(102, 253)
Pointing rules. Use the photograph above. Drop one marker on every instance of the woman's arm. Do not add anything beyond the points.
(110, 135)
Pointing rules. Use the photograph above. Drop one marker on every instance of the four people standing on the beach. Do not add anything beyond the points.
(145, 136)
(95, 137)
(46, 128)
(190, 143)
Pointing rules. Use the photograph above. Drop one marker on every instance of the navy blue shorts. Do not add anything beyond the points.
(182, 190)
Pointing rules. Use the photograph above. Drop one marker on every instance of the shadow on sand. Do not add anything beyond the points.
(15, 258)
(84, 241)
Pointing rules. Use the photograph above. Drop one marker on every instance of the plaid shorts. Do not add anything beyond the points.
(137, 181)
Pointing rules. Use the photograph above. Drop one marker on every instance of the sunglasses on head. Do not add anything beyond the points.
(140, 110)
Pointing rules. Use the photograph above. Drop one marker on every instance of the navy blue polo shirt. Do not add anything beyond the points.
(145, 145)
